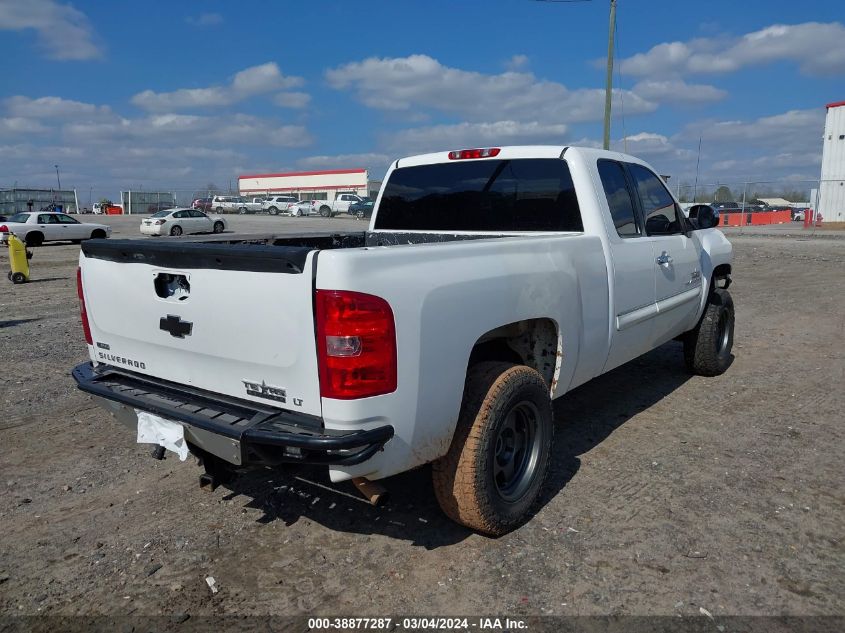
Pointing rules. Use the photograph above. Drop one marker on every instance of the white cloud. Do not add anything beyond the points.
(817, 48)
(245, 84)
(418, 82)
(20, 125)
(64, 33)
(461, 135)
(677, 91)
(517, 62)
(794, 130)
(237, 129)
(292, 99)
(372, 161)
(776, 149)
(205, 19)
(52, 107)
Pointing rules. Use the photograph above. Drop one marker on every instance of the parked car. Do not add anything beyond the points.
(362, 210)
(307, 207)
(35, 228)
(203, 204)
(228, 204)
(582, 261)
(354, 207)
(182, 221)
(799, 215)
(279, 204)
(155, 207)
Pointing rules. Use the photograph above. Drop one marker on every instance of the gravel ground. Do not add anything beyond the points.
(668, 493)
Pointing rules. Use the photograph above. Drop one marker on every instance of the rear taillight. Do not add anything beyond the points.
(160, 222)
(4, 228)
(356, 345)
(487, 152)
(82, 311)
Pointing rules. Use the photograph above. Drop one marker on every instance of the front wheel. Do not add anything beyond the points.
(499, 454)
(218, 227)
(241, 210)
(707, 348)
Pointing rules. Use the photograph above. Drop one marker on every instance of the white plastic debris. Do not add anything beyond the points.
(704, 611)
(212, 584)
(153, 429)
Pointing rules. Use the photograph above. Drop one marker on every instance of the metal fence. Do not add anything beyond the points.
(18, 200)
(809, 203)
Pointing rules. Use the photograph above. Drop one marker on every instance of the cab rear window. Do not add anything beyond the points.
(527, 194)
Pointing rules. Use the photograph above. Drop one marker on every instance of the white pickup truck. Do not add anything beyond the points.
(490, 281)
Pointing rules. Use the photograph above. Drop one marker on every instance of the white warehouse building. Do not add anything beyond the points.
(306, 185)
(832, 186)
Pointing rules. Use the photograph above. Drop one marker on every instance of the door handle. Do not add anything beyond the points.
(664, 259)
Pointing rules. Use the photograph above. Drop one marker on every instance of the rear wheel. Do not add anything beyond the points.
(499, 454)
(176, 231)
(219, 209)
(218, 227)
(707, 348)
(18, 278)
(325, 211)
(34, 239)
(241, 210)
(273, 210)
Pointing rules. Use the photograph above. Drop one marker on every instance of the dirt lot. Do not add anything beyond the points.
(668, 493)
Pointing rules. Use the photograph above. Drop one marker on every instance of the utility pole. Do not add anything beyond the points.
(608, 92)
(57, 177)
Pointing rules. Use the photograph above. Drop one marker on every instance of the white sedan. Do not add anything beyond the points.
(182, 221)
(306, 207)
(36, 228)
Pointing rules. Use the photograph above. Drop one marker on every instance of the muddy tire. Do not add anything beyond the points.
(707, 348)
(499, 454)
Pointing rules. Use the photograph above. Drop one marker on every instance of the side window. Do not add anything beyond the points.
(619, 199)
(180, 214)
(659, 210)
(66, 219)
(48, 218)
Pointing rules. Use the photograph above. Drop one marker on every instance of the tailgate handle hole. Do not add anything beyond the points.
(170, 286)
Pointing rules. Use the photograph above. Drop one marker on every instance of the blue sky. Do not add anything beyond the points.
(179, 94)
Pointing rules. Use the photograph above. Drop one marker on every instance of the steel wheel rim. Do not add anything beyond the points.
(517, 451)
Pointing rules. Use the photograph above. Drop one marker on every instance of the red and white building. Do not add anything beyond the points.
(306, 185)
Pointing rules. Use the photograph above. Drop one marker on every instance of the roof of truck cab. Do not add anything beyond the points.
(513, 151)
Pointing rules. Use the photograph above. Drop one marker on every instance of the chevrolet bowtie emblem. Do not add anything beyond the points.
(175, 325)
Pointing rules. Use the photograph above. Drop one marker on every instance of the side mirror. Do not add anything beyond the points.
(704, 216)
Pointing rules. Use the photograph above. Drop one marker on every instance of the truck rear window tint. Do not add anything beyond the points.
(527, 194)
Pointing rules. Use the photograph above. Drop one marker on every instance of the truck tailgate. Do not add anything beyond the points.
(230, 319)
